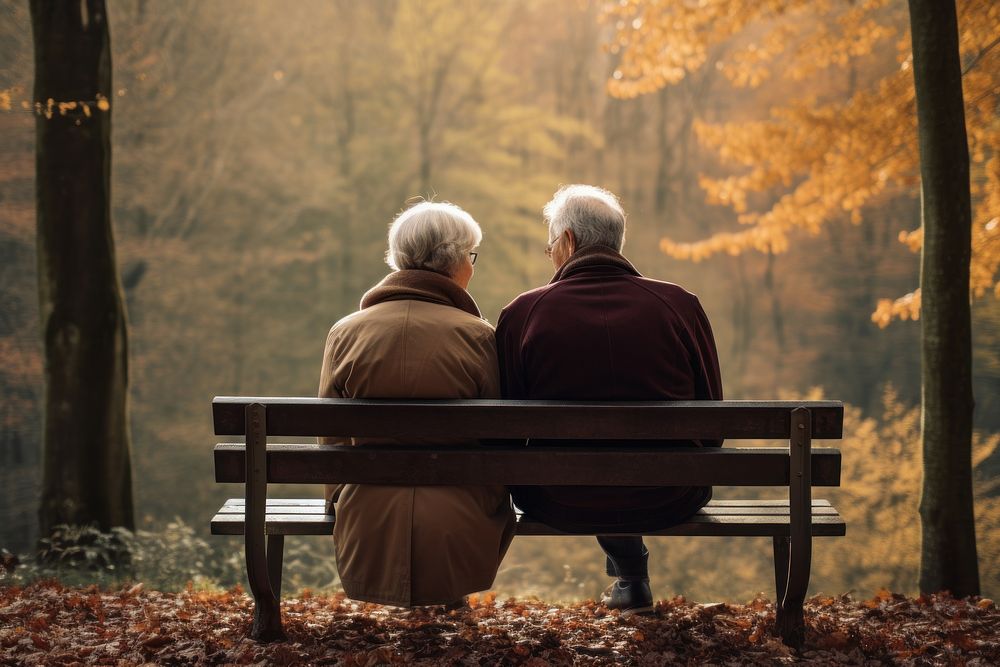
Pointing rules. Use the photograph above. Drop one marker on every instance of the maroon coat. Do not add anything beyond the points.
(601, 331)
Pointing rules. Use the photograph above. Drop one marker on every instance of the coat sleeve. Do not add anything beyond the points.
(329, 389)
(708, 383)
(508, 357)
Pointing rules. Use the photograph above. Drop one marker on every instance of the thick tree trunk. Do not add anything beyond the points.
(87, 474)
(948, 550)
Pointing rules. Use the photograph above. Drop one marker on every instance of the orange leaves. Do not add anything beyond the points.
(332, 630)
(913, 240)
(50, 108)
(814, 163)
(906, 307)
(660, 42)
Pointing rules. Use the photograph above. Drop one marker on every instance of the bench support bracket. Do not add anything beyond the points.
(260, 568)
(789, 622)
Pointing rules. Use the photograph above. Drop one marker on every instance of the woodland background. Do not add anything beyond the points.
(261, 150)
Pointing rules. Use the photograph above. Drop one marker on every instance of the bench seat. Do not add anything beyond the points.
(763, 518)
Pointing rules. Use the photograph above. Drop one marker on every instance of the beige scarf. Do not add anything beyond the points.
(420, 285)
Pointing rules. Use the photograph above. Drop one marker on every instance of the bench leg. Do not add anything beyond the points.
(781, 546)
(275, 552)
(790, 585)
(267, 610)
(263, 566)
(789, 621)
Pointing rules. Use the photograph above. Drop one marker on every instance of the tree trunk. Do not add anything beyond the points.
(87, 476)
(948, 549)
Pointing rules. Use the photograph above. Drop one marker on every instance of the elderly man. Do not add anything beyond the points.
(601, 331)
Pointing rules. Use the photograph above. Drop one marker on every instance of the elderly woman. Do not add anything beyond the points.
(418, 334)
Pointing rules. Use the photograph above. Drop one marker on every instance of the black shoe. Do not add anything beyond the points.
(629, 596)
(460, 603)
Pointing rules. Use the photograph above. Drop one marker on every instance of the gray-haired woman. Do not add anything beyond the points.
(418, 334)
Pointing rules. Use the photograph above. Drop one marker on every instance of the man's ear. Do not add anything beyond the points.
(571, 240)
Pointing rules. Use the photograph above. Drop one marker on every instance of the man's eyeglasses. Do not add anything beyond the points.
(548, 248)
(472, 257)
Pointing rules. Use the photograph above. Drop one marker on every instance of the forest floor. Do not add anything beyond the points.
(47, 623)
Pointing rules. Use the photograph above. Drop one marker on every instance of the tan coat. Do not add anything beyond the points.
(415, 337)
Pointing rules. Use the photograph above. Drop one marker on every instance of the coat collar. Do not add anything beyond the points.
(594, 256)
(420, 285)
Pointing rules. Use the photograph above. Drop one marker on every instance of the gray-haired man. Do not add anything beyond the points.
(601, 331)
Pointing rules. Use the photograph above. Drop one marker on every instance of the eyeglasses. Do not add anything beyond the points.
(472, 256)
(549, 247)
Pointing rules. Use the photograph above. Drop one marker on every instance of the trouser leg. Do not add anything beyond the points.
(626, 555)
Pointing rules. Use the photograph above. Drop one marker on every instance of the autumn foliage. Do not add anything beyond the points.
(824, 154)
(48, 624)
(255, 173)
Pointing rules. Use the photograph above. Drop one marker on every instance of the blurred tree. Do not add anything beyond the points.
(948, 555)
(87, 460)
(20, 353)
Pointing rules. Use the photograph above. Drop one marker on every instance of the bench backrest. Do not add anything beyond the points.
(581, 464)
(634, 420)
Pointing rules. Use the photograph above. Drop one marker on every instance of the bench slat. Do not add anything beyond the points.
(587, 466)
(710, 510)
(320, 502)
(656, 420)
(276, 524)
(713, 526)
(280, 502)
(713, 520)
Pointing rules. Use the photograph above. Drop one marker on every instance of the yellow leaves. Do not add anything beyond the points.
(5, 95)
(906, 307)
(913, 240)
(833, 159)
(50, 108)
(661, 41)
(759, 238)
(983, 447)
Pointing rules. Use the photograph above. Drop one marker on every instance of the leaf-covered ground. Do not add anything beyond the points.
(46, 623)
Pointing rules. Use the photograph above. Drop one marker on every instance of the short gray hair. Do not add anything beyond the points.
(594, 214)
(431, 235)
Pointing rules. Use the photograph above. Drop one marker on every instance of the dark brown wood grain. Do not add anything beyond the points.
(762, 518)
(578, 465)
(637, 420)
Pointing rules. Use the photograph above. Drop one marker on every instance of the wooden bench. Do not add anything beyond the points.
(791, 524)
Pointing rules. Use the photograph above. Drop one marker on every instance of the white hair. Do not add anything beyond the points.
(594, 214)
(433, 236)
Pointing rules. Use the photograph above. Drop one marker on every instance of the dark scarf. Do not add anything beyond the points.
(594, 255)
(420, 285)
